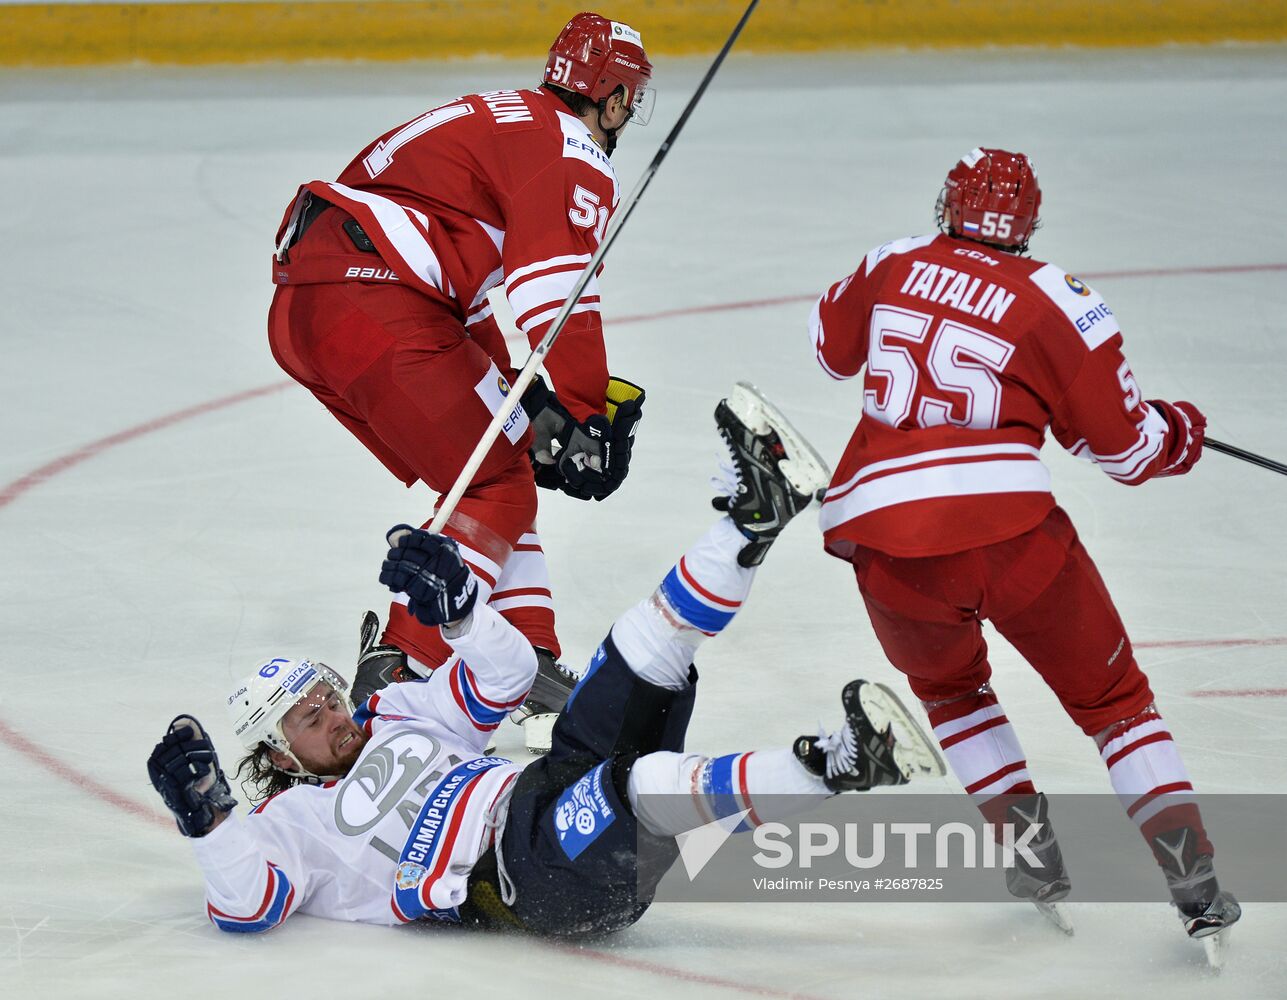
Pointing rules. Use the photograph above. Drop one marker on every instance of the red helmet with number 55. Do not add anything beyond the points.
(593, 56)
(992, 196)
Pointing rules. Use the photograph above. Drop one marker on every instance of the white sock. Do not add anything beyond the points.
(672, 793)
(698, 598)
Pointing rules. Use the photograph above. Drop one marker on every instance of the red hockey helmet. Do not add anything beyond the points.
(991, 195)
(593, 56)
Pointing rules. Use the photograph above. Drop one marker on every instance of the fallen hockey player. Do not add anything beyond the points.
(394, 814)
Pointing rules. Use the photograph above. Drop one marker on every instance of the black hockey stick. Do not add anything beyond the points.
(543, 348)
(1247, 456)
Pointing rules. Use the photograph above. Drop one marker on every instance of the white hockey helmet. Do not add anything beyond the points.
(260, 702)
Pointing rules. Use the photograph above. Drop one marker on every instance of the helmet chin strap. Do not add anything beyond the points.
(301, 772)
(609, 134)
(306, 776)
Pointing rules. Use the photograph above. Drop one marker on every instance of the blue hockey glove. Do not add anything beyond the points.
(428, 569)
(185, 770)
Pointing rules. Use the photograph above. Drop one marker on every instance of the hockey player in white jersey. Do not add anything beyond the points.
(399, 815)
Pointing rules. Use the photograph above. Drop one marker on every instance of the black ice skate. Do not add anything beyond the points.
(1206, 911)
(1045, 883)
(775, 473)
(378, 665)
(550, 691)
(879, 744)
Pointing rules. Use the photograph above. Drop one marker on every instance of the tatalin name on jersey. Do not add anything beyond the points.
(958, 289)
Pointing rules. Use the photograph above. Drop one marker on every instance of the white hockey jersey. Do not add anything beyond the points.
(395, 840)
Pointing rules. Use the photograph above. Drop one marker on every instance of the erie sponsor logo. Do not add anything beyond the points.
(512, 422)
(626, 33)
(1092, 316)
(588, 148)
(947, 286)
(371, 274)
(507, 106)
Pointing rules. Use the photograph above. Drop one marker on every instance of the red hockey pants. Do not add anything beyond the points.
(400, 372)
(1040, 590)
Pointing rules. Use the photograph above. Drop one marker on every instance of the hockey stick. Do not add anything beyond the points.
(543, 348)
(1247, 456)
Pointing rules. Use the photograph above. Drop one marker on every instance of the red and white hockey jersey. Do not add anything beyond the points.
(396, 839)
(970, 355)
(505, 186)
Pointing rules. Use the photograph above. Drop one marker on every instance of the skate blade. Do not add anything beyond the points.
(538, 732)
(914, 752)
(1216, 947)
(1058, 915)
(804, 468)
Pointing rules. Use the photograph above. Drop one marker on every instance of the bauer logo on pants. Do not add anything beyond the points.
(493, 390)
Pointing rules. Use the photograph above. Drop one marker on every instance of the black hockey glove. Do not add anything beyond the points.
(185, 770)
(551, 424)
(588, 460)
(429, 570)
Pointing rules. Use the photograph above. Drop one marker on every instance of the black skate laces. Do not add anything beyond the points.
(741, 461)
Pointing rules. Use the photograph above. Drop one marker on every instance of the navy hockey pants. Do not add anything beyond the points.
(572, 845)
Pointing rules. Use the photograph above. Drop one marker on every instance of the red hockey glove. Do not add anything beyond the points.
(1187, 430)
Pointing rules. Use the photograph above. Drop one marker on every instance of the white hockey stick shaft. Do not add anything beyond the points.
(525, 377)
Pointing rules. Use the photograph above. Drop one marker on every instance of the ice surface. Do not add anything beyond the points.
(142, 575)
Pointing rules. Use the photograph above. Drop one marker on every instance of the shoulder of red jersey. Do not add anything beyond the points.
(579, 145)
(536, 110)
(1082, 306)
(894, 248)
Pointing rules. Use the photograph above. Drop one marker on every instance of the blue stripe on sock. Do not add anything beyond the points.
(690, 608)
(717, 785)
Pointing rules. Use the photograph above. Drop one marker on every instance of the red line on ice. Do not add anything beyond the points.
(786, 300)
(1272, 640)
(16, 741)
(1240, 693)
(46, 472)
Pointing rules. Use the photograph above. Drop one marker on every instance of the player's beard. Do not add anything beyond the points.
(347, 755)
(340, 758)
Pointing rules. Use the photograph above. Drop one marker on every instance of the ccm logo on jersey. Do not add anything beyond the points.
(976, 255)
(372, 273)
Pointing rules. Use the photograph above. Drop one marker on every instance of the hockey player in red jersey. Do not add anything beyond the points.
(941, 502)
(381, 311)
